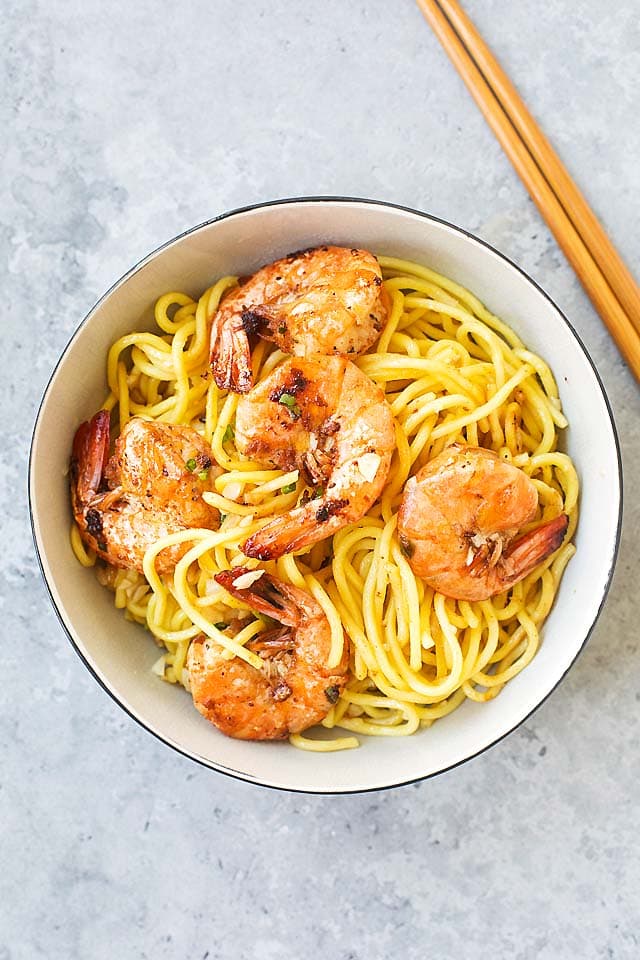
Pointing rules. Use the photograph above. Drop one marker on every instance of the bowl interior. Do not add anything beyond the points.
(120, 654)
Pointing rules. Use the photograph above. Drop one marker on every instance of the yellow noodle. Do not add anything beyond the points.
(337, 633)
(85, 556)
(323, 746)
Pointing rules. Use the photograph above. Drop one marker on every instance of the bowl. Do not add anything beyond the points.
(119, 654)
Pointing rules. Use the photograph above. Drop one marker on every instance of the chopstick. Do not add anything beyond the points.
(604, 276)
(578, 210)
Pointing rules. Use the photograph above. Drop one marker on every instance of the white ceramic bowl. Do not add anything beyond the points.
(120, 654)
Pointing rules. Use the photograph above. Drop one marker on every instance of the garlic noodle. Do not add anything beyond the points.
(451, 371)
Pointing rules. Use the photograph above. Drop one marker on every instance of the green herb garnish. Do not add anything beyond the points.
(203, 474)
(289, 401)
(288, 488)
(282, 328)
(317, 492)
(221, 625)
(191, 464)
(228, 434)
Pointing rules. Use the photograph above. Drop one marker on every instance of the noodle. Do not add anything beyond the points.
(451, 371)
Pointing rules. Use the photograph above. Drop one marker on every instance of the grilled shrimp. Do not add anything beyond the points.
(327, 300)
(293, 690)
(459, 521)
(152, 486)
(326, 418)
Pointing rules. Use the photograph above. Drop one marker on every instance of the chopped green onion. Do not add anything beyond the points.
(318, 491)
(191, 464)
(288, 488)
(282, 328)
(289, 401)
(221, 625)
(228, 434)
(203, 474)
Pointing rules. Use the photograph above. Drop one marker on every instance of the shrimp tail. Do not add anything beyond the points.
(267, 595)
(231, 354)
(89, 456)
(528, 551)
(292, 531)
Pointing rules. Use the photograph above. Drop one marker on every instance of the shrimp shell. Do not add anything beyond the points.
(327, 300)
(294, 690)
(459, 521)
(144, 492)
(325, 417)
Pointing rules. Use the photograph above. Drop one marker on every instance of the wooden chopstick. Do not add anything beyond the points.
(605, 290)
(578, 210)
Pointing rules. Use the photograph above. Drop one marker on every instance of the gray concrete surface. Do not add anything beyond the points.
(123, 124)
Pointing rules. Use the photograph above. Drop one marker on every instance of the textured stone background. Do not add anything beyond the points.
(123, 124)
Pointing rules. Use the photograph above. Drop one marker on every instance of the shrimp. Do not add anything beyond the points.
(327, 300)
(326, 418)
(459, 519)
(293, 690)
(152, 486)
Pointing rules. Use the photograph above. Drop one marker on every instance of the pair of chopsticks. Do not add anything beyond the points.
(603, 274)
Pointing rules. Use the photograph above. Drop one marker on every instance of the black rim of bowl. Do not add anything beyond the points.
(229, 771)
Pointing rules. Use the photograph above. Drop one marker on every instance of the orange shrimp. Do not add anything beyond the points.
(325, 417)
(152, 486)
(293, 690)
(459, 520)
(327, 300)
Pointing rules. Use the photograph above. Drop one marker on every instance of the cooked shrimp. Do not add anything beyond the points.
(293, 690)
(326, 418)
(152, 486)
(459, 520)
(327, 300)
